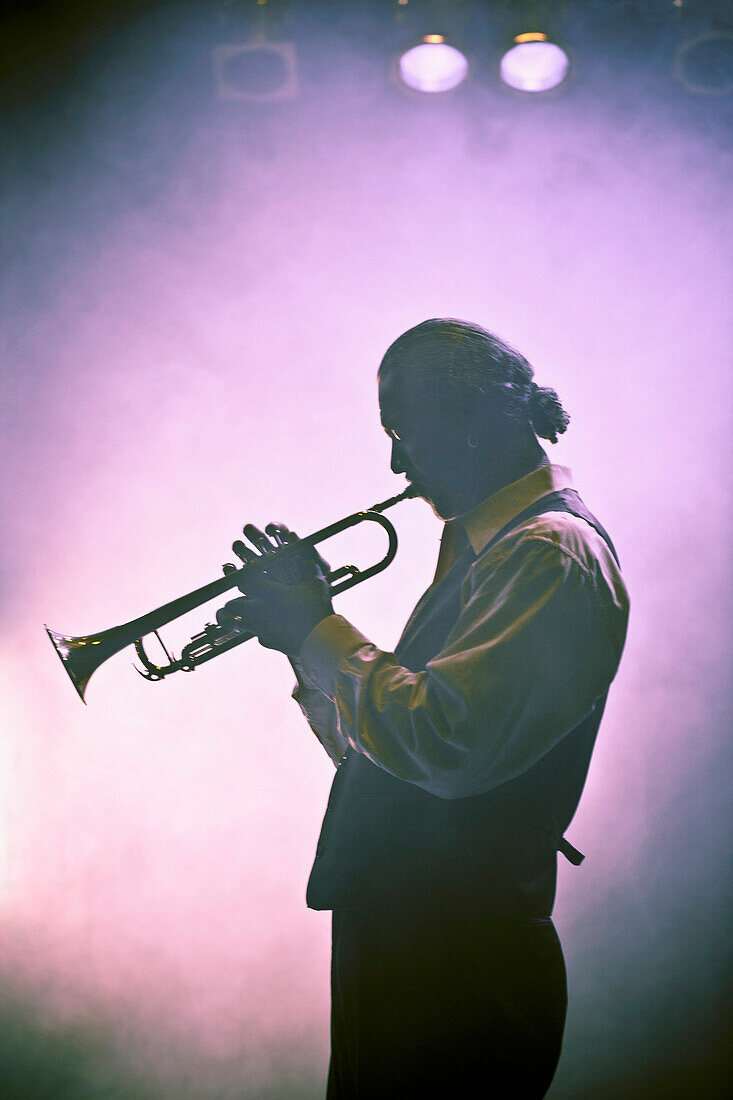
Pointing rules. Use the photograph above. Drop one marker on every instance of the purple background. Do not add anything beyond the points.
(198, 295)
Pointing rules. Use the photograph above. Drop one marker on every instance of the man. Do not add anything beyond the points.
(462, 755)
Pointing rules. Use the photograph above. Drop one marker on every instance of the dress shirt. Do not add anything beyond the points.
(537, 642)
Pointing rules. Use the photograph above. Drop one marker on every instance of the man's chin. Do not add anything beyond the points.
(440, 510)
(420, 491)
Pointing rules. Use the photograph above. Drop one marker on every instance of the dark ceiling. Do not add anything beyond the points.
(44, 44)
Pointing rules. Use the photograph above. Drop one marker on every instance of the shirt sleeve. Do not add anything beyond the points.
(538, 641)
(320, 713)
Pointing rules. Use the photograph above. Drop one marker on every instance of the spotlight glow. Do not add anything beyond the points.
(534, 64)
(433, 66)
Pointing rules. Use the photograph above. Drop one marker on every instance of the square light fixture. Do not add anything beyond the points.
(261, 72)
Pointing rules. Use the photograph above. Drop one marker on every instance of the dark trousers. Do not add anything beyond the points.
(431, 1005)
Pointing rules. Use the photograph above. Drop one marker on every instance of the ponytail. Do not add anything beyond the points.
(546, 414)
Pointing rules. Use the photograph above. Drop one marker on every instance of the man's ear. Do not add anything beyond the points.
(478, 420)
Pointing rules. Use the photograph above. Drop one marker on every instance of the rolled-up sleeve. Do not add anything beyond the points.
(320, 713)
(537, 642)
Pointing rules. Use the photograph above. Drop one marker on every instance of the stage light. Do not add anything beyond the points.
(533, 63)
(433, 65)
(705, 64)
(258, 71)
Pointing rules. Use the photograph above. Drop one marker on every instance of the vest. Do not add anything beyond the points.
(386, 843)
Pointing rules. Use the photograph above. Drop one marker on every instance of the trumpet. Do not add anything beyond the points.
(82, 656)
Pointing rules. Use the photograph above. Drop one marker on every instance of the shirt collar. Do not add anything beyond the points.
(485, 521)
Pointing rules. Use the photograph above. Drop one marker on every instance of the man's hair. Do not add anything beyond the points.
(460, 357)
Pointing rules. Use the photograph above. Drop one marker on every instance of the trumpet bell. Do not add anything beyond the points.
(81, 657)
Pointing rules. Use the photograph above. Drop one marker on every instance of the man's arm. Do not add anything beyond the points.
(320, 713)
(538, 641)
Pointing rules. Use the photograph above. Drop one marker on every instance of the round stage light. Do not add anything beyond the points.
(705, 63)
(433, 65)
(255, 71)
(533, 64)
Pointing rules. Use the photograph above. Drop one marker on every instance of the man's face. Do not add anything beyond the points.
(426, 439)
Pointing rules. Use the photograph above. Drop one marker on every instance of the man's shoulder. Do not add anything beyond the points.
(551, 535)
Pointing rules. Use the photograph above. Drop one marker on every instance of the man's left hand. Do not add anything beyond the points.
(283, 601)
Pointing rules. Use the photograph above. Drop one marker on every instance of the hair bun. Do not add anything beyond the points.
(547, 416)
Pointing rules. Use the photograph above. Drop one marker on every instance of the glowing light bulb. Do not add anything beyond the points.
(533, 64)
(433, 65)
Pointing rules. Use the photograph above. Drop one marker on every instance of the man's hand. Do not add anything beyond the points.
(284, 600)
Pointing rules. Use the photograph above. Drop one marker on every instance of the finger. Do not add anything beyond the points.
(233, 613)
(311, 554)
(281, 534)
(322, 564)
(286, 570)
(250, 618)
(260, 541)
(244, 552)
